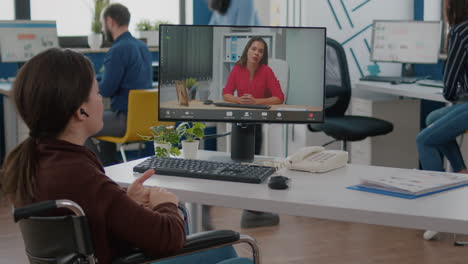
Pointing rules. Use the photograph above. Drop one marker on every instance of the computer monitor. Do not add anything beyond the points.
(22, 39)
(406, 41)
(288, 85)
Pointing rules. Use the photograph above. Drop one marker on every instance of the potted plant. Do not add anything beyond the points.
(95, 38)
(191, 85)
(166, 141)
(146, 31)
(192, 133)
(159, 22)
(149, 31)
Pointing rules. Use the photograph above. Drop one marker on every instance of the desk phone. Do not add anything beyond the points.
(317, 159)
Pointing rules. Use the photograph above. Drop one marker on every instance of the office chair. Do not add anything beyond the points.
(67, 239)
(142, 114)
(337, 125)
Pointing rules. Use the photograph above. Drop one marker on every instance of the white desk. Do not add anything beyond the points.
(319, 196)
(407, 90)
(399, 104)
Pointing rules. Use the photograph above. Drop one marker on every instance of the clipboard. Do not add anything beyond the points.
(400, 195)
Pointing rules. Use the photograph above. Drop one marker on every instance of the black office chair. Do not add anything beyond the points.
(67, 239)
(337, 125)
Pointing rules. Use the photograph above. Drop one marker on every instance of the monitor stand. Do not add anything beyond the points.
(243, 146)
(407, 70)
(243, 142)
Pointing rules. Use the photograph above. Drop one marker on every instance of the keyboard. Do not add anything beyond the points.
(397, 79)
(431, 83)
(203, 169)
(242, 105)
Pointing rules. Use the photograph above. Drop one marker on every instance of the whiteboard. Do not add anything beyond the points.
(22, 39)
(406, 41)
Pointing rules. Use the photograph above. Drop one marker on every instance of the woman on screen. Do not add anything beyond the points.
(444, 125)
(251, 77)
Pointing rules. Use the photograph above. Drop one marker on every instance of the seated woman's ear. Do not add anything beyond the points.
(83, 112)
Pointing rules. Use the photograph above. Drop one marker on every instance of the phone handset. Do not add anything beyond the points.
(317, 159)
(302, 153)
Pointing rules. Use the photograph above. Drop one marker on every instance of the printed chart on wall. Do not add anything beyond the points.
(20, 40)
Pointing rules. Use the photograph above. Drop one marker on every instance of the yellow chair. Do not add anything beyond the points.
(142, 114)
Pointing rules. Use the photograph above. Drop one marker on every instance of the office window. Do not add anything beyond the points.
(7, 11)
(167, 10)
(74, 16)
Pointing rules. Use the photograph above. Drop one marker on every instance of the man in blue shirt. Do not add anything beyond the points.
(127, 66)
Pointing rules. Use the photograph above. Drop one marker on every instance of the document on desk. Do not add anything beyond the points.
(411, 185)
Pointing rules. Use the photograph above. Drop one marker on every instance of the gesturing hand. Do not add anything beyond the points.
(139, 193)
(160, 196)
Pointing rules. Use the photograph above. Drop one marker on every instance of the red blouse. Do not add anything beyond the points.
(263, 85)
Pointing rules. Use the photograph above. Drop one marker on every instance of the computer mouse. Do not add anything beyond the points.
(278, 182)
(208, 102)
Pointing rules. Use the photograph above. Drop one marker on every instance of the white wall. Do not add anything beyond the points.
(315, 13)
(305, 52)
(263, 11)
(320, 13)
(7, 11)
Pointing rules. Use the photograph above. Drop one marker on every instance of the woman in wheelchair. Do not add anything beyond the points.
(57, 96)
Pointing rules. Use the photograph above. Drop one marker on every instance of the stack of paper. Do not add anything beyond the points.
(415, 183)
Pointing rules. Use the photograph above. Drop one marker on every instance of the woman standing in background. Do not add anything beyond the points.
(233, 13)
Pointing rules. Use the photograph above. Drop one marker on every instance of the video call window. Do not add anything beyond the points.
(242, 74)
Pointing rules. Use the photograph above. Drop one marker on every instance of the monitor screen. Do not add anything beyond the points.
(20, 40)
(406, 41)
(241, 74)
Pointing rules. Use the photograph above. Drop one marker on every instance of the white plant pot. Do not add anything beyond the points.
(151, 36)
(95, 40)
(166, 146)
(190, 149)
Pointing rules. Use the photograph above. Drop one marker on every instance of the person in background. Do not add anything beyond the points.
(251, 77)
(233, 12)
(127, 66)
(240, 13)
(444, 125)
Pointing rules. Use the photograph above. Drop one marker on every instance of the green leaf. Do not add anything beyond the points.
(99, 6)
(161, 152)
(192, 131)
(175, 151)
